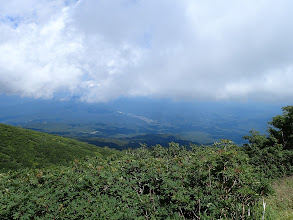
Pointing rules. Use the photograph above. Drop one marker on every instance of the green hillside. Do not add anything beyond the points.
(145, 183)
(23, 148)
(222, 181)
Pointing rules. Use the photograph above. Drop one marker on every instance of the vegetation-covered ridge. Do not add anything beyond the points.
(158, 183)
(23, 148)
(222, 181)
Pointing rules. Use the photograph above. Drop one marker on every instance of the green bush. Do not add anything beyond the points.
(272, 154)
(159, 183)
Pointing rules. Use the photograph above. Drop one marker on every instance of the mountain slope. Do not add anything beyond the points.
(21, 148)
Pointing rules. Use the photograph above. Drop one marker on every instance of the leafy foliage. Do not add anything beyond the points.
(158, 183)
(222, 181)
(282, 128)
(273, 154)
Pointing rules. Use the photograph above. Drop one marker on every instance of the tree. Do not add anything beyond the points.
(273, 154)
(282, 128)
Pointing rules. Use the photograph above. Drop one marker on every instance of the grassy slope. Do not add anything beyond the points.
(21, 148)
(280, 205)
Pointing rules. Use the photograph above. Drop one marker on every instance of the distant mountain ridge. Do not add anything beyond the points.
(198, 122)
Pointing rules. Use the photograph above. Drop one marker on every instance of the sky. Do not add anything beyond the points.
(100, 50)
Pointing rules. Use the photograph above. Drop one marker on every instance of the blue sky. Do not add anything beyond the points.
(101, 50)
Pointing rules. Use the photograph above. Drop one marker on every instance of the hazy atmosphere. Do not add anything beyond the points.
(100, 50)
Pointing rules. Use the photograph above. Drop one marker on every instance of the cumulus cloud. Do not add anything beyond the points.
(101, 50)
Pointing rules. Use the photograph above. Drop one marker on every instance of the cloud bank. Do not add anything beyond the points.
(104, 49)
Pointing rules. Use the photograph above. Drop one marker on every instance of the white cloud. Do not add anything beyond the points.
(186, 49)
